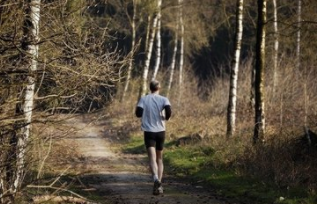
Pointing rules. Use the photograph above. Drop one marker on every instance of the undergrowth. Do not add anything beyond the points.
(201, 163)
(281, 169)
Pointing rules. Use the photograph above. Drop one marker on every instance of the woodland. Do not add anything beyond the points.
(241, 73)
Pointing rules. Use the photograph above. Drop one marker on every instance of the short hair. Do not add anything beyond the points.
(154, 85)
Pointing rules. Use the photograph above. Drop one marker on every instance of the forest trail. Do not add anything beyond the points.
(124, 178)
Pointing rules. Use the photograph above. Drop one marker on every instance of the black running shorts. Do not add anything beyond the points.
(154, 139)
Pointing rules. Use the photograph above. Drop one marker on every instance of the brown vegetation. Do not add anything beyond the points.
(80, 69)
(273, 159)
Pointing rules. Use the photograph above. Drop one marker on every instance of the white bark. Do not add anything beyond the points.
(181, 59)
(158, 40)
(172, 68)
(298, 41)
(231, 120)
(131, 52)
(276, 48)
(33, 51)
(148, 57)
(148, 28)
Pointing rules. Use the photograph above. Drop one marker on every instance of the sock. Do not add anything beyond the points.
(155, 178)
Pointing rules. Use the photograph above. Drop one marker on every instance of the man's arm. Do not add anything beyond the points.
(139, 112)
(168, 112)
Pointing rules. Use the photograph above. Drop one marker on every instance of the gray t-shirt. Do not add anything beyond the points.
(153, 117)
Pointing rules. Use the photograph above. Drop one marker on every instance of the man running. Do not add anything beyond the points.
(154, 110)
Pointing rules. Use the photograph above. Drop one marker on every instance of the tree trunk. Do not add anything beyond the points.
(259, 128)
(181, 57)
(15, 141)
(148, 29)
(276, 46)
(298, 61)
(170, 81)
(298, 41)
(131, 52)
(252, 90)
(158, 40)
(148, 57)
(231, 115)
(31, 27)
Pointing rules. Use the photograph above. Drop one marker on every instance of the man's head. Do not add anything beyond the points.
(154, 85)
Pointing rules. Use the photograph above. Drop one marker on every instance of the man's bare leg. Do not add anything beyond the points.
(152, 162)
(160, 165)
(156, 165)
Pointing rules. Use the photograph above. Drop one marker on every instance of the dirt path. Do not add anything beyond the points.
(124, 178)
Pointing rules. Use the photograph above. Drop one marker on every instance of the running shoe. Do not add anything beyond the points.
(158, 188)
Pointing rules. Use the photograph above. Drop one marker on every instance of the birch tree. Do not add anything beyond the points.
(298, 40)
(172, 67)
(14, 149)
(31, 28)
(298, 62)
(231, 114)
(148, 29)
(133, 28)
(181, 55)
(276, 47)
(158, 39)
(259, 127)
(148, 55)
